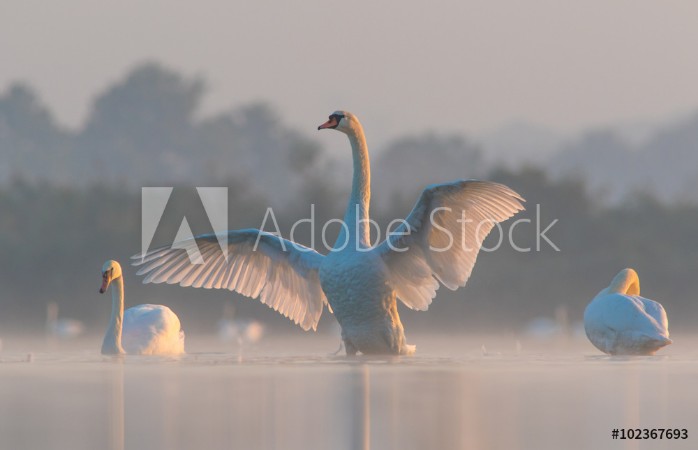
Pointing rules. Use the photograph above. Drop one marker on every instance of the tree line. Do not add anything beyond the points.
(70, 199)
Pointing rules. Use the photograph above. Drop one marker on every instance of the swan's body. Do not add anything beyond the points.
(370, 322)
(142, 329)
(360, 283)
(620, 322)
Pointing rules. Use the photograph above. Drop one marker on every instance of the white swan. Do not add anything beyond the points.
(438, 242)
(61, 328)
(141, 330)
(620, 322)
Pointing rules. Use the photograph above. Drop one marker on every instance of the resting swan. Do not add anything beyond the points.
(141, 330)
(358, 281)
(620, 322)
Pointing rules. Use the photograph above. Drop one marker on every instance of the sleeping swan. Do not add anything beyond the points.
(360, 282)
(141, 330)
(620, 322)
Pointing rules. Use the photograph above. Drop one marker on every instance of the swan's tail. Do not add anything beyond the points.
(663, 341)
(650, 344)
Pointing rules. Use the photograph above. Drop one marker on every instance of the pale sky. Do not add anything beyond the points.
(402, 67)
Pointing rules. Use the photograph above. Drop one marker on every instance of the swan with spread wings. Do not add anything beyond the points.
(437, 244)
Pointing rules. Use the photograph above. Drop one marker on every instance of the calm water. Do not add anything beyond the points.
(290, 394)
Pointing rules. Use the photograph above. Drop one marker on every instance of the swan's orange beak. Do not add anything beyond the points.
(332, 123)
(105, 283)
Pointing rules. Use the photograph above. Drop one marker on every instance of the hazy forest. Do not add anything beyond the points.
(70, 199)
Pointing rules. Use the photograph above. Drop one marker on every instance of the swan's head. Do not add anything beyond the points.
(111, 270)
(343, 121)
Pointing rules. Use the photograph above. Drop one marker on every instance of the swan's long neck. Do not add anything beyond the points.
(112, 340)
(626, 282)
(356, 217)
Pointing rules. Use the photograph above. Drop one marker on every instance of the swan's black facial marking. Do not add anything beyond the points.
(106, 280)
(332, 122)
(337, 118)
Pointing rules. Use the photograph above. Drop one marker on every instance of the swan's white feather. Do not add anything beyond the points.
(416, 272)
(284, 275)
(152, 330)
(656, 311)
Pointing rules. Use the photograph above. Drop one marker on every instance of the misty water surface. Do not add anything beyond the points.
(291, 394)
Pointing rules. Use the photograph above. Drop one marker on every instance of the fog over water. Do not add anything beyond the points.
(290, 393)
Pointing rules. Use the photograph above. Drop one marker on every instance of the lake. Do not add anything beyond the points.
(457, 392)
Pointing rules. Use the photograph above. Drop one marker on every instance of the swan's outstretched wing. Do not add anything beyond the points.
(444, 233)
(283, 274)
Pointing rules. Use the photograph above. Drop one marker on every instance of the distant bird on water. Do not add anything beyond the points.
(620, 322)
(437, 243)
(61, 328)
(240, 330)
(142, 329)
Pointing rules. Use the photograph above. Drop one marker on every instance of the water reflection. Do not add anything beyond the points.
(209, 400)
(115, 406)
(359, 402)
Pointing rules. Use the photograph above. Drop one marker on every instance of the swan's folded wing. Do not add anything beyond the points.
(657, 312)
(442, 236)
(150, 329)
(283, 274)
